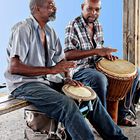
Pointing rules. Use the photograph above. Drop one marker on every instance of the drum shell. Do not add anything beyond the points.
(118, 85)
(118, 88)
(76, 97)
(120, 79)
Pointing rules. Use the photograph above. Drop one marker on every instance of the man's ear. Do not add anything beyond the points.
(82, 6)
(36, 8)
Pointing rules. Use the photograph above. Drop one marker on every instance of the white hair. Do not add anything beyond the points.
(35, 2)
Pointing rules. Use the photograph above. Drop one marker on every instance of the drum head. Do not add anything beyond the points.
(118, 68)
(79, 93)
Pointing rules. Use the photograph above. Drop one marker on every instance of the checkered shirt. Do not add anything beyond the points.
(77, 38)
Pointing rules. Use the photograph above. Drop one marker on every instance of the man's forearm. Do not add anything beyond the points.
(30, 70)
(17, 67)
(80, 54)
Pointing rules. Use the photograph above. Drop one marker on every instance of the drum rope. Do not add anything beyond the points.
(130, 96)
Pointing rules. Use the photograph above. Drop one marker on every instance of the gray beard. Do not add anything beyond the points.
(91, 21)
(52, 17)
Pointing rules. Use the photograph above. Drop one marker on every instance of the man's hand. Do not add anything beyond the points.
(73, 82)
(105, 51)
(111, 57)
(63, 66)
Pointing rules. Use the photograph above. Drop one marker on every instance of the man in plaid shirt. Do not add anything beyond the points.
(84, 44)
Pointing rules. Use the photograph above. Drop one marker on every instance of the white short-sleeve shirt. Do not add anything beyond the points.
(25, 42)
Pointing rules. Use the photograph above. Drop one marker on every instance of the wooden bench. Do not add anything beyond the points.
(8, 103)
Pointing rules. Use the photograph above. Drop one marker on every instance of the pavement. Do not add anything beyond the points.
(12, 126)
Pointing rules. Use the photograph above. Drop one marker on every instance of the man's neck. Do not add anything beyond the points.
(40, 21)
(90, 25)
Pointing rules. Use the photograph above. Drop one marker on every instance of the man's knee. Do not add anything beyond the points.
(69, 104)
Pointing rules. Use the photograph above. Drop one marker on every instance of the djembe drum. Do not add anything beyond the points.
(80, 94)
(120, 74)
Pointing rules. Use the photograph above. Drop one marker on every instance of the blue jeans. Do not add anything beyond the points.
(124, 105)
(62, 108)
(96, 80)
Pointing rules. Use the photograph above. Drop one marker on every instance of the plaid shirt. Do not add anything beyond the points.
(77, 38)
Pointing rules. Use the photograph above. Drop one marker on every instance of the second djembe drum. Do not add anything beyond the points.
(120, 74)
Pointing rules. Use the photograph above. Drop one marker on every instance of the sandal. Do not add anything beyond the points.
(127, 122)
